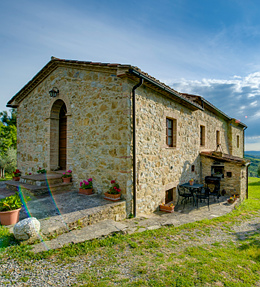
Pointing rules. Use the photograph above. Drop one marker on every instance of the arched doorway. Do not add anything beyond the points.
(58, 136)
(63, 137)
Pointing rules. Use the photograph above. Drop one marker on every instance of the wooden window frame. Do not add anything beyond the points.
(238, 141)
(169, 195)
(218, 138)
(173, 135)
(202, 135)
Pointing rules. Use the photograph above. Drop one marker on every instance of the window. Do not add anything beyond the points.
(169, 195)
(229, 174)
(217, 138)
(237, 141)
(171, 132)
(202, 135)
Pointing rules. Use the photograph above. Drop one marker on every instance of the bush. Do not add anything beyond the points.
(7, 162)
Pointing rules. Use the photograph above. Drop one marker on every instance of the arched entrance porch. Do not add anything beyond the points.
(58, 136)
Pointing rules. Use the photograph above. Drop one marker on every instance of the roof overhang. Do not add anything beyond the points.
(225, 157)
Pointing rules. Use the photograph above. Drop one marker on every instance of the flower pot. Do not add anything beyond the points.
(16, 178)
(9, 217)
(230, 201)
(112, 197)
(191, 182)
(87, 191)
(166, 208)
(66, 179)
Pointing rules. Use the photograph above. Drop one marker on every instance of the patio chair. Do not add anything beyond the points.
(186, 194)
(215, 192)
(204, 194)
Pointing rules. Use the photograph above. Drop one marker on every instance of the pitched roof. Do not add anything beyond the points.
(213, 109)
(192, 101)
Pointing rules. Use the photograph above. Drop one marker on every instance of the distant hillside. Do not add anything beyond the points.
(252, 153)
(254, 157)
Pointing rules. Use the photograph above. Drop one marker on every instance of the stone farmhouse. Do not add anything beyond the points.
(112, 121)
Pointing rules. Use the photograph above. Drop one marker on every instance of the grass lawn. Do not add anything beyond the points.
(7, 177)
(224, 251)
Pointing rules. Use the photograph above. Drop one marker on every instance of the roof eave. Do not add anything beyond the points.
(166, 89)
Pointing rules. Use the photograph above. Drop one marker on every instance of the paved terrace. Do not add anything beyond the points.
(64, 213)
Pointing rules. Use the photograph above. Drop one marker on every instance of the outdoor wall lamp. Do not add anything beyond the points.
(54, 92)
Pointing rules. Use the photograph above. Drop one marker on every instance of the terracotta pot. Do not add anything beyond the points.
(16, 178)
(166, 208)
(191, 182)
(87, 191)
(66, 179)
(230, 201)
(112, 197)
(9, 217)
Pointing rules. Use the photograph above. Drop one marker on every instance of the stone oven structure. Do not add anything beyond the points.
(93, 128)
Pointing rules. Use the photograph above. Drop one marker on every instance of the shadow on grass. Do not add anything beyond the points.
(257, 183)
(6, 239)
(250, 241)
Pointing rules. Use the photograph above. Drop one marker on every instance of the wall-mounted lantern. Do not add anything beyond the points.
(54, 92)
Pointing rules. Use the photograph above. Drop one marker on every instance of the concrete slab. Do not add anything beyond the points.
(98, 230)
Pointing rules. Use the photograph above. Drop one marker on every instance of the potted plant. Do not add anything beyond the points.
(114, 192)
(191, 181)
(168, 207)
(86, 187)
(16, 175)
(67, 176)
(41, 170)
(232, 199)
(10, 208)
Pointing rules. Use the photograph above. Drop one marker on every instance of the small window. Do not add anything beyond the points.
(202, 135)
(193, 168)
(217, 138)
(237, 141)
(169, 195)
(171, 132)
(229, 174)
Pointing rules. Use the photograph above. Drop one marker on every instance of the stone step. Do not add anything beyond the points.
(42, 179)
(98, 230)
(38, 189)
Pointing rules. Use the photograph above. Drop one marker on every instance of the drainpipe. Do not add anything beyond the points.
(134, 143)
(244, 141)
(247, 166)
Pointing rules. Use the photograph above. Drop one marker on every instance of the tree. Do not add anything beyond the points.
(9, 121)
(8, 140)
(258, 171)
(8, 162)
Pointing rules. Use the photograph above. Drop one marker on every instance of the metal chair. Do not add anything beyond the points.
(182, 192)
(204, 194)
(216, 182)
(215, 192)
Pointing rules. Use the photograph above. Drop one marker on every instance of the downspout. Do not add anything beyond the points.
(134, 144)
(244, 141)
(247, 166)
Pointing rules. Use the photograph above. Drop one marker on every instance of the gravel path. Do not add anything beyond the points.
(52, 273)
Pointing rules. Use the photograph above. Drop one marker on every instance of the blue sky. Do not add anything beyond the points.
(205, 47)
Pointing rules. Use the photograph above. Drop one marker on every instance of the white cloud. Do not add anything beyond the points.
(253, 146)
(233, 96)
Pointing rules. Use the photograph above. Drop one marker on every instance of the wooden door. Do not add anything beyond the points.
(63, 138)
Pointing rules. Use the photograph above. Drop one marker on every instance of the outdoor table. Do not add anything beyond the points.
(193, 188)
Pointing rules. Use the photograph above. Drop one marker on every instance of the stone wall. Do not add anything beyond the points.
(98, 127)
(160, 168)
(237, 140)
(99, 135)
